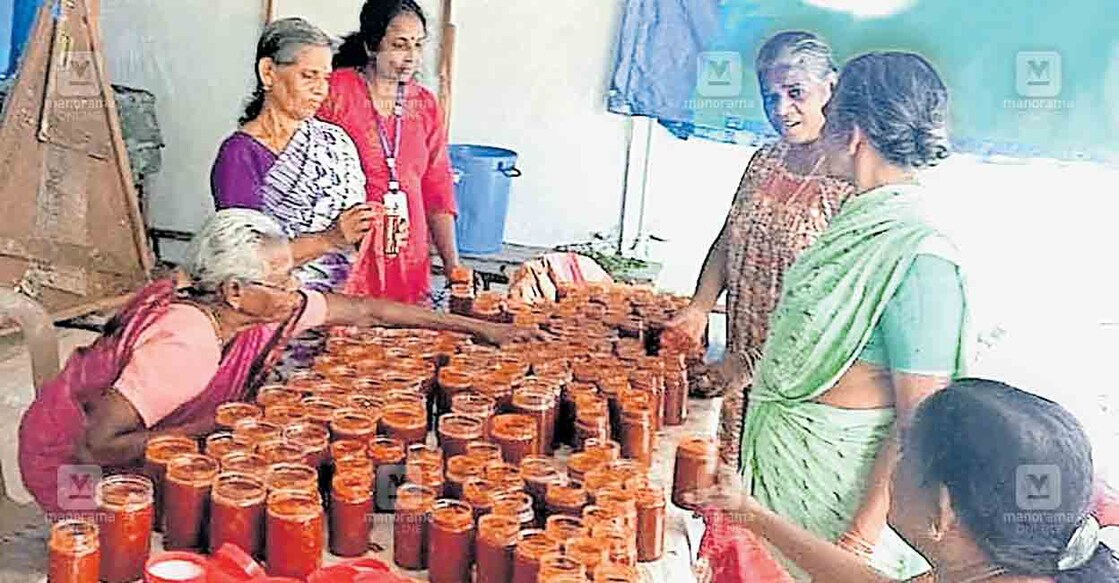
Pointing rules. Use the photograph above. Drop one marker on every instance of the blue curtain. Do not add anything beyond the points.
(1027, 78)
(16, 20)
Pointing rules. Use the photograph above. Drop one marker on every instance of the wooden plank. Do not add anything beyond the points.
(446, 63)
(104, 304)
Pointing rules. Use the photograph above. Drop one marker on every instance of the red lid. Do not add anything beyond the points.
(177, 567)
(232, 564)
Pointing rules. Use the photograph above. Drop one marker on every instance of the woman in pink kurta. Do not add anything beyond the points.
(372, 96)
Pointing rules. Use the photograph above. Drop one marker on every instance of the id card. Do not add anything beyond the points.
(396, 222)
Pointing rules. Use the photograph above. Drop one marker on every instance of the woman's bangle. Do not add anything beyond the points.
(855, 544)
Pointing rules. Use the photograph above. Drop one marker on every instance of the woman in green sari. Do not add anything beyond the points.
(871, 320)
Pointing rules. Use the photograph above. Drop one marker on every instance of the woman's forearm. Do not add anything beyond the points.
(305, 248)
(870, 518)
(822, 560)
(119, 450)
(353, 311)
(712, 276)
(442, 227)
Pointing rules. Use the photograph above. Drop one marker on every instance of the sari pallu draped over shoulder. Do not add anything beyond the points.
(805, 460)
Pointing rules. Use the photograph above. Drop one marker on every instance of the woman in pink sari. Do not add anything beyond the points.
(398, 130)
(170, 357)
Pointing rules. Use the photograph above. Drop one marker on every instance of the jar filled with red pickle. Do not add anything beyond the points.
(451, 381)
(73, 552)
(426, 473)
(125, 506)
(306, 381)
(256, 431)
(620, 543)
(486, 451)
(620, 501)
(462, 299)
(497, 540)
(518, 504)
(245, 463)
(285, 414)
(278, 451)
(405, 421)
(474, 405)
(697, 461)
(223, 442)
(650, 500)
(558, 566)
(270, 395)
(451, 538)
(516, 434)
(582, 462)
(237, 513)
(321, 410)
(532, 545)
(615, 573)
(479, 494)
(638, 438)
(353, 424)
(455, 431)
(538, 473)
(565, 499)
(505, 477)
(608, 449)
(461, 468)
(539, 404)
(294, 533)
(675, 389)
(313, 439)
(299, 477)
(387, 455)
(410, 526)
(595, 515)
(586, 551)
(498, 386)
(228, 414)
(351, 504)
(186, 501)
(158, 452)
(592, 421)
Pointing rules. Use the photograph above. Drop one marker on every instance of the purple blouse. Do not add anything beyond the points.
(238, 172)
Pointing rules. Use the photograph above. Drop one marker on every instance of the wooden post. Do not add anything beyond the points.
(446, 64)
(268, 11)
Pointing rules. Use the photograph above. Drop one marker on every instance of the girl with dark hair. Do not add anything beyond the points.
(993, 484)
(400, 138)
(783, 203)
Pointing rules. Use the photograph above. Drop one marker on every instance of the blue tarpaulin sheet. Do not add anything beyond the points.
(16, 19)
(1027, 78)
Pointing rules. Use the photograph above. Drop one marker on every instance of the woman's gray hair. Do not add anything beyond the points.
(230, 247)
(281, 41)
(796, 49)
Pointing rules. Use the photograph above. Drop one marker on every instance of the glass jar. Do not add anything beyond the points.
(498, 386)
(539, 472)
(299, 477)
(505, 477)
(556, 565)
(245, 463)
(351, 503)
(451, 539)
(638, 439)
(592, 421)
(223, 442)
(620, 501)
(387, 455)
(305, 381)
(479, 494)
(228, 414)
(294, 533)
(320, 409)
(608, 449)
(270, 395)
(474, 405)
(583, 462)
(424, 452)
(462, 299)
(697, 461)
(73, 552)
(186, 501)
(615, 573)
(313, 439)
(539, 404)
(285, 414)
(158, 452)
(650, 500)
(565, 499)
(461, 468)
(516, 434)
(595, 515)
(532, 545)
(497, 539)
(405, 421)
(237, 513)
(352, 424)
(562, 528)
(587, 552)
(125, 509)
(451, 380)
(455, 431)
(278, 451)
(675, 389)
(516, 504)
(410, 526)
(256, 430)
(426, 473)
(485, 451)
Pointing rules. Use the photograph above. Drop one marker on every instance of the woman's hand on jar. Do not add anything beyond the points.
(502, 334)
(691, 322)
(728, 496)
(352, 225)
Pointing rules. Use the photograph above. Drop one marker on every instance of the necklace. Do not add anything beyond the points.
(213, 317)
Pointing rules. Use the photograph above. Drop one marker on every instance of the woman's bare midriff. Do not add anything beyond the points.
(863, 386)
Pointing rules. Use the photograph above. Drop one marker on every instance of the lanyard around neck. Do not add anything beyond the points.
(391, 154)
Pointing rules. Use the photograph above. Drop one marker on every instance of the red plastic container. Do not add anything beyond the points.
(177, 567)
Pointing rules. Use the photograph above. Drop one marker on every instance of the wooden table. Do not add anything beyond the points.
(499, 267)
